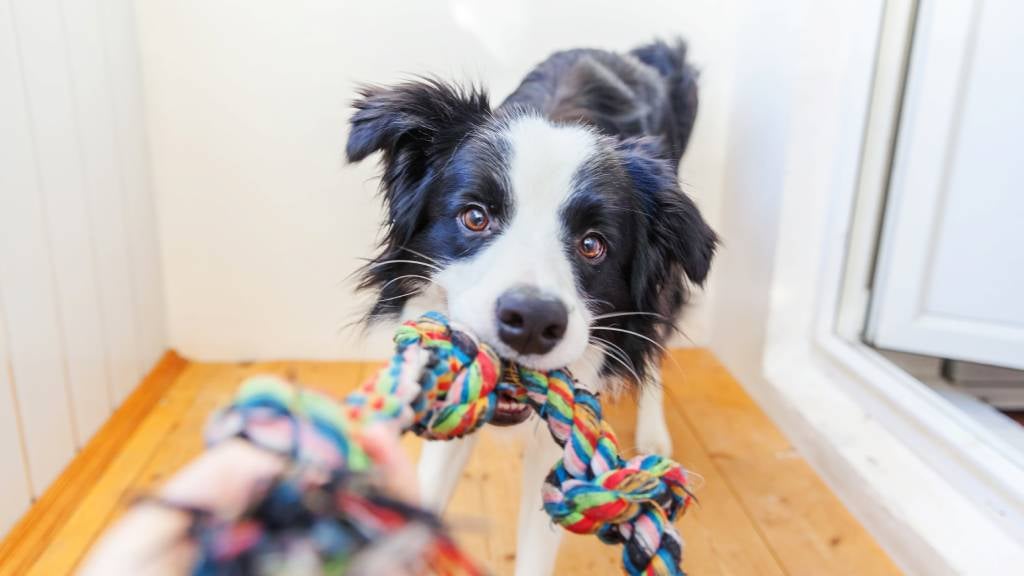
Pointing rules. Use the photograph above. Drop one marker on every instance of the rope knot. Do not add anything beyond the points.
(457, 378)
(592, 489)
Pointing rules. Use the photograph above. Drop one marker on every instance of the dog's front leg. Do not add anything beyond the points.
(440, 468)
(537, 538)
(651, 429)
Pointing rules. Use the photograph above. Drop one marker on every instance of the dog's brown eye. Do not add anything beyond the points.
(592, 247)
(474, 218)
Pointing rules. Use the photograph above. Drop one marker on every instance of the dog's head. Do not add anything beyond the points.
(543, 238)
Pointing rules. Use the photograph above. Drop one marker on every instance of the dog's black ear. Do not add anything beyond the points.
(675, 236)
(413, 117)
(416, 126)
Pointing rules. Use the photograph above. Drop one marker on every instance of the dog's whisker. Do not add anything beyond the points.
(666, 321)
(619, 314)
(400, 261)
(621, 362)
(610, 344)
(396, 279)
(422, 255)
(631, 333)
(664, 351)
(623, 359)
(399, 297)
(608, 347)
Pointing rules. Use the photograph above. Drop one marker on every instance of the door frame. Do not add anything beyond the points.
(937, 490)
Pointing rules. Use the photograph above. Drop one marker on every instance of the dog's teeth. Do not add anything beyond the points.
(509, 406)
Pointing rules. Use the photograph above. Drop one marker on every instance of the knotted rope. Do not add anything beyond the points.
(327, 514)
(592, 489)
(442, 384)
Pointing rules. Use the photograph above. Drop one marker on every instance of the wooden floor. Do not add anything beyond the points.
(761, 510)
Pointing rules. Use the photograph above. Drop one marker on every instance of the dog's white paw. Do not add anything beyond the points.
(652, 436)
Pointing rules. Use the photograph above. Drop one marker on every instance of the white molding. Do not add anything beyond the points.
(937, 493)
(895, 40)
(917, 512)
(987, 470)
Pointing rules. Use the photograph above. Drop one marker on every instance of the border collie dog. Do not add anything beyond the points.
(553, 227)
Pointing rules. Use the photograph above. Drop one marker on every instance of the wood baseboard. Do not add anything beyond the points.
(31, 535)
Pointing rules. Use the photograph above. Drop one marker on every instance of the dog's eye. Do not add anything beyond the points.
(592, 247)
(474, 218)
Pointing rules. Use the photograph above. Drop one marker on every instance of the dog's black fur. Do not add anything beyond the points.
(442, 146)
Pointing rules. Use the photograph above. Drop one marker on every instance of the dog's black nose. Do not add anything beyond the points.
(530, 321)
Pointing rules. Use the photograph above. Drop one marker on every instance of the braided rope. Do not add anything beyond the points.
(446, 380)
(592, 489)
(442, 384)
(327, 505)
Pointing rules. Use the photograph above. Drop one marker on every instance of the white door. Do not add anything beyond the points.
(950, 272)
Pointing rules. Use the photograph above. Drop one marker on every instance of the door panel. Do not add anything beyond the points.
(950, 275)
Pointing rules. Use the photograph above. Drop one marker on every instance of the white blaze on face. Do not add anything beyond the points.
(530, 249)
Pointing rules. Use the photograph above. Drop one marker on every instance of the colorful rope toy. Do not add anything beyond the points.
(443, 384)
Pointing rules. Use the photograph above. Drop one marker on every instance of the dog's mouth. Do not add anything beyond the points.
(509, 412)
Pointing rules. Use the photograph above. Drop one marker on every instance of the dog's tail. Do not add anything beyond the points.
(681, 80)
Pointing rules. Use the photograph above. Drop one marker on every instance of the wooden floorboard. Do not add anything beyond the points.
(808, 530)
(719, 536)
(37, 529)
(761, 509)
(120, 479)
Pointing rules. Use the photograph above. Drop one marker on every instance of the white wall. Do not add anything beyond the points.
(81, 300)
(247, 103)
(760, 121)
